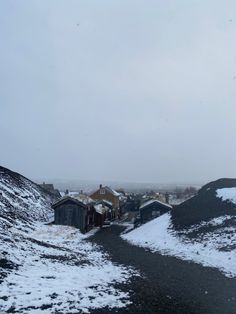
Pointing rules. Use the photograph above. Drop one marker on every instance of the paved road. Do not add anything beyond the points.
(168, 285)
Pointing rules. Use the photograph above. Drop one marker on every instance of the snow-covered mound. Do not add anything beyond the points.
(22, 202)
(202, 229)
(213, 200)
(211, 243)
(46, 268)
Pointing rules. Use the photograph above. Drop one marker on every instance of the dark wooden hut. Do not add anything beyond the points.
(152, 209)
(71, 212)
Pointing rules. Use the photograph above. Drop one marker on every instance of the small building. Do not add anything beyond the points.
(132, 204)
(107, 194)
(71, 212)
(153, 208)
(50, 188)
(101, 214)
(111, 212)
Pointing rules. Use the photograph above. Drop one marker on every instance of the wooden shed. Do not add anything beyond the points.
(152, 209)
(71, 212)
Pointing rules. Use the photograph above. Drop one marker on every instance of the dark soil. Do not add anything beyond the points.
(168, 285)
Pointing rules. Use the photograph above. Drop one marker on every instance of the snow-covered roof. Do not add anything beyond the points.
(115, 192)
(108, 189)
(101, 209)
(149, 202)
(67, 198)
(84, 199)
(122, 197)
(107, 202)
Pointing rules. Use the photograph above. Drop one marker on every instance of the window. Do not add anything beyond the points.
(102, 191)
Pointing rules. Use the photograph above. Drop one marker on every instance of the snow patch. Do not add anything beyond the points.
(227, 194)
(60, 271)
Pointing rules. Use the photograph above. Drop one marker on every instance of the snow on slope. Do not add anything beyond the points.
(45, 268)
(21, 203)
(215, 245)
(21, 200)
(227, 194)
(59, 271)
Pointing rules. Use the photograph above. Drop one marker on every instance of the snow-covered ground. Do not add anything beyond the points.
(48, 268)
(227, 194)
(58, 270)
(215, 248)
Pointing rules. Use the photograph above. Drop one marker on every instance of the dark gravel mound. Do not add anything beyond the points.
(204, 206)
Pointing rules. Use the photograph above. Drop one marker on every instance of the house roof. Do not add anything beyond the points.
(114, 192)
(68, 198)
(152, 201)
(107, 202)
(100, 208)
(85, 199)
(108, 189)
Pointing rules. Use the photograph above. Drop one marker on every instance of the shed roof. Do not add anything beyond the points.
(68, 198)
(152, 201)
(107, 203)
(100, 208)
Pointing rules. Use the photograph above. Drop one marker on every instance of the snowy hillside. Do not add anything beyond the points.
(21, 200)
(211, 243)
(46, 268)
(202, 229)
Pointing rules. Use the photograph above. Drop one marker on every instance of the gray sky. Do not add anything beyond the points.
(118, 90)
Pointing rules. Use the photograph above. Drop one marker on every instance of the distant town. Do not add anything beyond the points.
(104, 205)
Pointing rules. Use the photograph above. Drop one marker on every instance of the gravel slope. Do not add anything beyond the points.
(168, 285)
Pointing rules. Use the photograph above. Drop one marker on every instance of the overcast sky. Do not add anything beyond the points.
(122, 90)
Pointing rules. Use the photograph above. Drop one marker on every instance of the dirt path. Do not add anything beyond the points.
(168, 285)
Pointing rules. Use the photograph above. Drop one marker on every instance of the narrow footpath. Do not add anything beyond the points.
(167, 285)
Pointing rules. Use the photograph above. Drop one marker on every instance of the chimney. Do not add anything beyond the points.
(100, 186)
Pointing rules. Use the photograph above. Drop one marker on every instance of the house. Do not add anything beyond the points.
(82, 212)
(105, 193)
(111, 213)
(101, 214)
(50, 188)
(71, 212)
(132, 203)
(152, 208)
